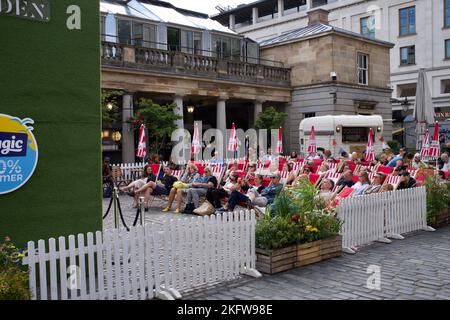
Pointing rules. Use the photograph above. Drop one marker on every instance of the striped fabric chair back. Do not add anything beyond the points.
(178, 173)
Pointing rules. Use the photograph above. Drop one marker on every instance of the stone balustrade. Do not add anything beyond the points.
(175, 62)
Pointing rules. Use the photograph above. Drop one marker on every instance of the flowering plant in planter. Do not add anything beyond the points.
(13, 280)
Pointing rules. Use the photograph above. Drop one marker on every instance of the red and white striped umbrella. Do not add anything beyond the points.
(233, 142)
(142, 146)
(196, 147)
(425, 151)
(435, 150)
(370, 150)
(280, 141)
(312, 148)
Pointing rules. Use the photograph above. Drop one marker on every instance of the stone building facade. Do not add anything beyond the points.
(326, 73)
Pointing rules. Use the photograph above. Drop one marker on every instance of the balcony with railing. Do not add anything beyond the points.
(151, 58)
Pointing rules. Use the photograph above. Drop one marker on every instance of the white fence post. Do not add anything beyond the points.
(145, 262)
(380, 216)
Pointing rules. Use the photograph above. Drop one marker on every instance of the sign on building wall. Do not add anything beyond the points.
(50, 73)
(18, 152)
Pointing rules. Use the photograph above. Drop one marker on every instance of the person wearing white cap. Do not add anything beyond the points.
(417, 161)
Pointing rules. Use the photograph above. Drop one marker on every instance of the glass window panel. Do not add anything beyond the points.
(124, 31)
(216, 45)
(197, 43)
(226, 47)
(236, 48)
(412, 20)
(149, 36)
(173, 39)
(447, 49)
(137, 34)
(187, 41)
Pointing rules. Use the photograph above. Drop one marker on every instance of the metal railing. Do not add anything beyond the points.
(190, 50)
(176, 62)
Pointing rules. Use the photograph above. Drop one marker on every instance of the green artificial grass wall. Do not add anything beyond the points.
(52, 75)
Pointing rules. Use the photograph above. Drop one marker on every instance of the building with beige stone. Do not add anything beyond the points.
(419, 30)
(154, 50)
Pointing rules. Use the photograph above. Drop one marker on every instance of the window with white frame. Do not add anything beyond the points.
(363, 69)
(368, 26)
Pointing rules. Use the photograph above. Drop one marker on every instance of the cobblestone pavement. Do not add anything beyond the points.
(415, 268)
(154, 215)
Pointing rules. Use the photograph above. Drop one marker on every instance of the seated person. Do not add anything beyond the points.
(107, 173)
(147, 176)
(346, 179)
(386, 188)
(199, 187)
(237, 196)
(188, 177)
(323, 168)
(294, 155)
(383, 160)
(267, 195)
(268, 156)
(378, 181)
(215, 195)
(406, 181)
(326, 191)
(159, 188)
(288, 167)
(233, 168)
(362, 185)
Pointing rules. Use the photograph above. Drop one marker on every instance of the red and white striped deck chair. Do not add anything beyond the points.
(412, 172)
(332, 166)
(284, 175)
(371, 176)
(334, 176)
(345, 193)
(177, 173)
(218, 172)
(394, 180)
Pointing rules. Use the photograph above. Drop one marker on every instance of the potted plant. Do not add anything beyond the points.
(438, 195)
(297, 230)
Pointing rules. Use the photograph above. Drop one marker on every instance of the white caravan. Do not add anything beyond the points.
(345, 132)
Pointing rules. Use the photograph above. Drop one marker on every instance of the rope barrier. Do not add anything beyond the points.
(109, 207)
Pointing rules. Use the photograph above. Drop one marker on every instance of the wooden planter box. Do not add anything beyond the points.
(274, 261)
(317, 251)
(442, 219)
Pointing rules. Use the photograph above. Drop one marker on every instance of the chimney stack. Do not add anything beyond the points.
(318, 16)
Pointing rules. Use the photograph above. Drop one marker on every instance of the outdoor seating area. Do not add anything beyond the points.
(334, 179)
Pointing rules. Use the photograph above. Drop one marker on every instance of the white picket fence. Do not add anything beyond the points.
(381, 216)
(147, 262)
(128, 168)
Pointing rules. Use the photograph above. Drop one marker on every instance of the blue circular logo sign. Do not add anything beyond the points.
(18, 152)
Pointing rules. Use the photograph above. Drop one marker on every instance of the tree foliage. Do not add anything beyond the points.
(158, 119)
(114, 115)
(270, 119)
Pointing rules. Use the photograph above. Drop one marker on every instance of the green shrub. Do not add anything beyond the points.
(14, 284)
(13, 280)
(296, 216)
(275, 232)
(438, 195)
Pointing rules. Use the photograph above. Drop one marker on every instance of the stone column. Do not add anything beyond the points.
(221, 120)
(280, 9)
(255, 15)
(128, 147)
(258, 109)
(179, 111)
(232, 21)
(308, 5)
